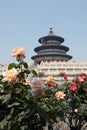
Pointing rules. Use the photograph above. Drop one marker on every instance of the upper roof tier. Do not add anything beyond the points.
(51, 46)
(51, 37)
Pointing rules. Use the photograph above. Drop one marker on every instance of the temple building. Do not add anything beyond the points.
(51, 49)
(52, 59)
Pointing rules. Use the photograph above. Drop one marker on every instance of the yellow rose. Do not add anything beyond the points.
(60, 95)
(49, 79)
(18, 52)
(10, 75)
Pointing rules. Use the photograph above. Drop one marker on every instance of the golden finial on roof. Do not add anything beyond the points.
(51, 28)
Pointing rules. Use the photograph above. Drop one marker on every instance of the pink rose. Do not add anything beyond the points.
(37, 87)
(73, 86)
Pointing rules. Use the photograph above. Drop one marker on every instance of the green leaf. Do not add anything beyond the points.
(57, 119)
(25, 65)
(1, 65)
(34, 72)
(33, 110)
(23, 127)
(14, 104)
(4, 122)
(4, 83)
(12, 65)
(5, 98)
(12, 110)
(21, 116)
(28, 96)
(27, 71)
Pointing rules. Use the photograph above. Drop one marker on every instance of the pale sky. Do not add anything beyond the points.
(23, 22)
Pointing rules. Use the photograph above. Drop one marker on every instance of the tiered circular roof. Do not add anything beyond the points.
(49, 46)
(51, 49)
(51, 36)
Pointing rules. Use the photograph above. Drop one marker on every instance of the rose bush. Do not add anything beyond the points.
(33, 104)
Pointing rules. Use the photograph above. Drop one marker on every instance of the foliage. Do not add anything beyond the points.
(31, 105)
